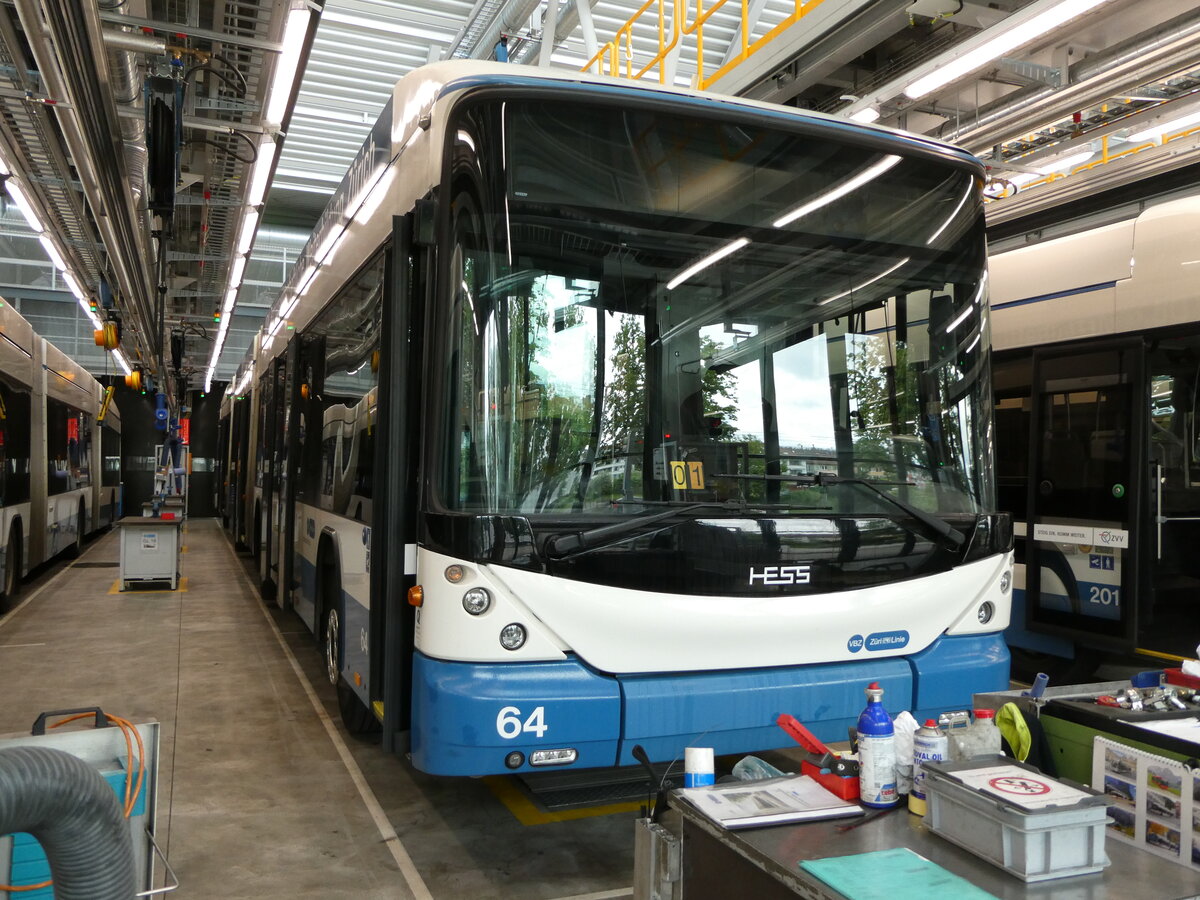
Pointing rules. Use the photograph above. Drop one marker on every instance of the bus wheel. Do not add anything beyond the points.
(76, 548)
(355, 716)
(12, 566)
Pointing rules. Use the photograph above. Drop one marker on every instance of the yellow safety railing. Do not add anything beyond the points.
(615, 58)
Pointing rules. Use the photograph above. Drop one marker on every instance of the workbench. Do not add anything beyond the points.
(717, 864)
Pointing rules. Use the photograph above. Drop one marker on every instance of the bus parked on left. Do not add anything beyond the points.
(60, 460)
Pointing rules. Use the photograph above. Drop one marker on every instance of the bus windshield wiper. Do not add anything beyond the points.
(561, 546)
(944, 529)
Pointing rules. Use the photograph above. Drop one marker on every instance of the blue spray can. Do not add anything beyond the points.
(876, 752)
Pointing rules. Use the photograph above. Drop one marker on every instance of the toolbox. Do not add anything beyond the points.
(1011, 815)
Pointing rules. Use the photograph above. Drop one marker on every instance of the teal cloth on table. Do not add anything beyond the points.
(898, 874)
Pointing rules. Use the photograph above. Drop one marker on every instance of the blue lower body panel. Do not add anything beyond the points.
(468, 717)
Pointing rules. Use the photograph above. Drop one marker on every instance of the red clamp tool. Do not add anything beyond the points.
(826, 768)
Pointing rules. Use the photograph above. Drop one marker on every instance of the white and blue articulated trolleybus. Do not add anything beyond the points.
(597, 415)
(60, 453)
(1097, 333)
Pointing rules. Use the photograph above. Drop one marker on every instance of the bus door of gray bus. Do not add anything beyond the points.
(1085, 493)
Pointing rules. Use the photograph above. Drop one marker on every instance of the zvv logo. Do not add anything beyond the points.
(782, 575)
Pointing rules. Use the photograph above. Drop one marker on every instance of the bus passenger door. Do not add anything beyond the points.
(1084, 490)
(273, 483)
(1169, 609)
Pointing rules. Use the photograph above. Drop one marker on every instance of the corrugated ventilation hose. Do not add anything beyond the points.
(74, 814)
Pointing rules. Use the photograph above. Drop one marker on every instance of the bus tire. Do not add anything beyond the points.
(256, 532)
(355, 716)
(12, 565)
(77, 547)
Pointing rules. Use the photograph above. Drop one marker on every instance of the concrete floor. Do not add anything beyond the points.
(261, 792)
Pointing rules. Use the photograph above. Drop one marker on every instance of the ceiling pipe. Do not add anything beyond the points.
(134, 42)
(1120, 69)
(87, 130)
(510, 18)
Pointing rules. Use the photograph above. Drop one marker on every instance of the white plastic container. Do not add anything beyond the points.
(980, 738)
(1062, 837)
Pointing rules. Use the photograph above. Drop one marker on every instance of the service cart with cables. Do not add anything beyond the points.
(126, 756)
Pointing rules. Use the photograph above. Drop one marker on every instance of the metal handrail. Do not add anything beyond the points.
(608, 59)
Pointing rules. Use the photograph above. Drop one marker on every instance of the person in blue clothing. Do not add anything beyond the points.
(500, 51)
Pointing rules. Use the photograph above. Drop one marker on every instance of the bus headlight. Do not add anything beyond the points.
(986, 611)
(455, 574)
(477, 601)
(512, 637)
(1005, 581)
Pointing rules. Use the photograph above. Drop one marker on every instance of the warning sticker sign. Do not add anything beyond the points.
(1025, 789)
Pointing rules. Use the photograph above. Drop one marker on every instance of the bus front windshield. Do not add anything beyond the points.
(650, 307)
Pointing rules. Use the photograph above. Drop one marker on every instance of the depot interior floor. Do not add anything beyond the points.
(261, 794)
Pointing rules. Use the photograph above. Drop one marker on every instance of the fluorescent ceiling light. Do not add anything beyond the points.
(389, 26)
(119, 357)
(246, 235)
(96, 323)
(286, 63)
(332, 115)
(1174, 125)
(867, 283)
(1032, 28)
(846, 187)
(707, 261)
(236, 271)
(1062, 164)
(230, 301)
(260, 173)
(52, 252)
(19, 198)
(76, 289)
(866, 115)
(1067, 162)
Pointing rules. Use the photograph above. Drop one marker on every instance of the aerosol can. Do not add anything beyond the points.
(876, 752)
(930, 744)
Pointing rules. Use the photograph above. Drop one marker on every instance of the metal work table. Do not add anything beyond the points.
(763, 862)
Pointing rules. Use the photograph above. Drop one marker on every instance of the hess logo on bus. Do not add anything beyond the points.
(781, 575)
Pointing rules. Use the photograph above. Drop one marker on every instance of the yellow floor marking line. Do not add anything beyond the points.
(1171, 656)
(527, 813)
(182, 589)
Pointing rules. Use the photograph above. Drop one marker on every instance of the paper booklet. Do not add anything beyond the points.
(1154, 801)
(771, 801)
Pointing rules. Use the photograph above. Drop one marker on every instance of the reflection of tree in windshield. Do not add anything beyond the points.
(625, 394)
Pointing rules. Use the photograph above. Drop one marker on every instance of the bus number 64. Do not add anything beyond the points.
(509, 725)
